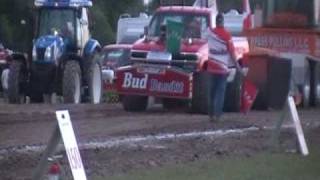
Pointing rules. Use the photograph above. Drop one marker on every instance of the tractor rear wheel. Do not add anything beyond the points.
(134, 103)
(15, 82)
(71, 87)
(36, 97)
(169, 103)
(232, 101)
(201, 83)
(94, 79)
(305, 88)
(35, 91)
(315, 86)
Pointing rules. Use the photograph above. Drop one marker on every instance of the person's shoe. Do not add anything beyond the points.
(213, 119)
(216, 119)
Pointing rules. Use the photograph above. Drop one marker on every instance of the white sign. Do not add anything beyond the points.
(297, 124)
(166, 87)
(285, 42)
(71, 145)
(134, 82)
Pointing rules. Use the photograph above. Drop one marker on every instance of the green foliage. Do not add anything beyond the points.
(104, 13)
(12, 33)
(101, 27)
(5, 29)
(111, 97)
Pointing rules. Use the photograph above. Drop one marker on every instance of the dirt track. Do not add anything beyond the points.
(31, 125)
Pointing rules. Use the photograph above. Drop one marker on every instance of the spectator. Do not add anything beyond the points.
(221, 51)
(4, 82)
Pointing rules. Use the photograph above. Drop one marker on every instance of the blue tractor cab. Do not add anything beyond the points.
(63, 3)
(64, 56)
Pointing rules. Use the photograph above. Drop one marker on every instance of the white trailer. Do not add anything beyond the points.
(130, 28)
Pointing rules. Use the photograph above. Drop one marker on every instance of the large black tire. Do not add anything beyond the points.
(169, 103)
(42, 81)
(272, 77)
(232, 102)
(71, 87)
(16, 82)
(134, 103)
(35, 97)
(315, 85)
(94, 80)
(35, 91)
(200, 98)
(305, 88)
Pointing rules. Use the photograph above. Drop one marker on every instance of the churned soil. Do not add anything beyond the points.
(113, 141)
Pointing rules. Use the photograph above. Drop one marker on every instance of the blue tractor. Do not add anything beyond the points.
(64, 57)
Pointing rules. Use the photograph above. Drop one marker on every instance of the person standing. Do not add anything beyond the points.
(222, 55)
(4, 82)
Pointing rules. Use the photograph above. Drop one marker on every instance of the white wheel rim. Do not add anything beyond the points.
(96, 84)
(5, 78)
(77, 91)
(317, 93)
(306, 94)
(306, 89)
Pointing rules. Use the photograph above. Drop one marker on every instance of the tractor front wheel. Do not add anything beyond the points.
(71, 87)
(232, 101)
(15, 82)
(134, 103)
(305, 89)
(170, 104)
(201, 95)
(315, 86)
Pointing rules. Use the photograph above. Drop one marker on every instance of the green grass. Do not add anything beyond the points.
(265, 166)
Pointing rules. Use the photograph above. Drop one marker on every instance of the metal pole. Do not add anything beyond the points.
(51, 148)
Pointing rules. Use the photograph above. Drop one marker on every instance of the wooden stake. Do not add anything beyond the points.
(299, 131)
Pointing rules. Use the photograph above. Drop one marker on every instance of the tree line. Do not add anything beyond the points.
(17, 18)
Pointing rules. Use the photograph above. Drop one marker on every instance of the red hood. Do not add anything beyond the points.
(157, 45)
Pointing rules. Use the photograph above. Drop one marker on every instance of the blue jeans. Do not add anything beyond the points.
(217, 88)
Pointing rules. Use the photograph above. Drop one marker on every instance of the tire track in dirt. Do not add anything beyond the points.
(33, 124)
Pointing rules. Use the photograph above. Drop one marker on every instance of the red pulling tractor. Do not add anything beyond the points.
(181, 78)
